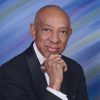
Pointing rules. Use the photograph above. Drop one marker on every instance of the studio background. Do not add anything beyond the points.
(84, 43)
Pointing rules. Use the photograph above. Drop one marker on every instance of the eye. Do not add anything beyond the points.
(46, 29)
(63, 32)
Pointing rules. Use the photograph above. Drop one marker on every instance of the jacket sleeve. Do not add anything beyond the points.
(49, 96)
(82, 89)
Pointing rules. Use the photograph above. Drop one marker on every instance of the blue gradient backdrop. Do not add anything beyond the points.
(83, 46)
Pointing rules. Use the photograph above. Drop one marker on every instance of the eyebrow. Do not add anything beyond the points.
(62, 27)
(47, 25)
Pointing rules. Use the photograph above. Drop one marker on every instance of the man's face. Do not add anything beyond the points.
(51, 33)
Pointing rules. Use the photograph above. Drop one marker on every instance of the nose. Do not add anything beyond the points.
(55, 38)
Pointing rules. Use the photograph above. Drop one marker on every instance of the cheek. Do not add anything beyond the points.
(64, 43)
(43, 37)
(40, 39)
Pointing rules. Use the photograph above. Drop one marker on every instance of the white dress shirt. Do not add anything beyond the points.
(41, 59)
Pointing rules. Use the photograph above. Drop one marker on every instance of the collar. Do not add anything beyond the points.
(40, 57)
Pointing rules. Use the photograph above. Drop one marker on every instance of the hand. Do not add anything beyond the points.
(55, 66)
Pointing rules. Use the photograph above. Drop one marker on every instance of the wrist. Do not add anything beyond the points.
(55, 86)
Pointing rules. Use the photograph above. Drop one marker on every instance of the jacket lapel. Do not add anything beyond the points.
(38, 77)
(66, 87)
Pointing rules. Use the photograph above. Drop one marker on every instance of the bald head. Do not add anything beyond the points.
(50, 10)
(51, 30)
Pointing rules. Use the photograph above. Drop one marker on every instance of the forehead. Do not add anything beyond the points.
(51, 11)
(53, 16)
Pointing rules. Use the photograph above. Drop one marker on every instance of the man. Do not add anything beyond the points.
(59, 78)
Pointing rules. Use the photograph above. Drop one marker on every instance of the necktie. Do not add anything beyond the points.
(43, 67)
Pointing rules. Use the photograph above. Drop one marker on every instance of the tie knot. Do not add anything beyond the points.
(43, 67)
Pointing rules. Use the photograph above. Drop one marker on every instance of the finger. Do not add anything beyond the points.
(53, 57)
(62, 64)
(65, 68)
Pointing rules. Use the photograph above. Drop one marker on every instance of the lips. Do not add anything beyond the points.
(53, 49)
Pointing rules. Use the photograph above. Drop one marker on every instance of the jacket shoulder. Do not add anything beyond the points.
(73, 65)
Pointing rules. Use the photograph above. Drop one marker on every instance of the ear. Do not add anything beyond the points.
(32, 30)
(70, 32)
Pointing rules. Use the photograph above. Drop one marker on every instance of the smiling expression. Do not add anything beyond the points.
(51, 31)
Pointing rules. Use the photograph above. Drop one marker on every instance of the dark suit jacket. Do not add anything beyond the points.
(22, 79)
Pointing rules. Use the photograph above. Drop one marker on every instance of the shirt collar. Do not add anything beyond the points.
(40, 57)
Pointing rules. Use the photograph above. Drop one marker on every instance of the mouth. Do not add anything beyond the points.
(52, 49)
